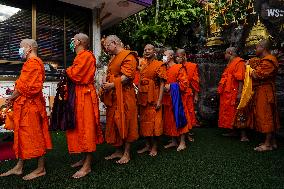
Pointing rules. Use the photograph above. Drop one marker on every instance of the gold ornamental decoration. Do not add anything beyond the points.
(257, 33)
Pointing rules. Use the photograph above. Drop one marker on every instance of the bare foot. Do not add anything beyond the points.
(114, 156)
(78, 164)
(124, 159)
(244, 139)
(35, 174)
(153, 152)
(190, 139)
(181, 147)
(14, 171)
(263, 148)
(81, 173)
(172, 144)
(143, 150)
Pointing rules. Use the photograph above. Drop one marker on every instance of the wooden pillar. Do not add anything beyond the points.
(34, 19)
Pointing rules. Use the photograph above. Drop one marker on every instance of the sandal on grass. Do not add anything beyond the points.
(263, 148)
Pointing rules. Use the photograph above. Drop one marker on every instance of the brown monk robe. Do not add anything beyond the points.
(152, 74)
(264, 111)
(193, 90)
(87, 133)
(230, 90)
(176, 73)
(31, 135)
(119, 97)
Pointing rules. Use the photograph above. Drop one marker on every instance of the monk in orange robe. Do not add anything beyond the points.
(264, 111)
(31, 135)
(230, 90)
(87, 133)
(152, 74)
(193, 79)
(176, 73)
(119, 97)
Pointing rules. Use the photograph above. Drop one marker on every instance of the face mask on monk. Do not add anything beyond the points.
(165, 59)
(22, 52)
(72, 45)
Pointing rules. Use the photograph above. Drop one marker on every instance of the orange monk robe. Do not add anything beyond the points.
(265, 116)
(228, 89)
(137, 74)
(193, 79)
(175, 73)
(136, 78)
(31, 135)
(151, 75)
(121, 112)
(87, 133)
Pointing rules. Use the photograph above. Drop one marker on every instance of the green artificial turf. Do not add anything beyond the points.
(212, 161)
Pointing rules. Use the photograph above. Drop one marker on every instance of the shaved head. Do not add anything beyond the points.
(266, 44)
(181, 51)
(170, 52)
(263, 47)
(29, 42)
(150, 46)
(232, 51)
(149, 51)
(113, 44)
(83, 38)
(28, 47)
(181, 56)
(114, 38)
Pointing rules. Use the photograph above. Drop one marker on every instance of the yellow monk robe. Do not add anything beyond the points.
(265, 115)
(228, 90)
(247, 91)
(87, 133)
(175, 73)
(244, 107)
(193, 79)
(31, 135)
(151, 120)
(121, 112)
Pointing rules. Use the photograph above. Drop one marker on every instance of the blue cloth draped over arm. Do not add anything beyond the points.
(178, 109)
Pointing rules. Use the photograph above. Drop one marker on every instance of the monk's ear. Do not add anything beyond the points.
(30, 48)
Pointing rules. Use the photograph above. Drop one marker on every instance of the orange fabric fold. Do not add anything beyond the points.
(87, 133)
(264, 115)
(176, 73)
(228, 90)
(9, 122)
(31, 135)
(120, 108)
(151, 74)
(121, 101)
(193, 78)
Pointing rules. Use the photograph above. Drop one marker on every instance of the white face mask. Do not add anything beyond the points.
(165, 59)
(22, 52)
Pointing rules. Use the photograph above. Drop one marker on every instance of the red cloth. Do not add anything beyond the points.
(6, 151)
